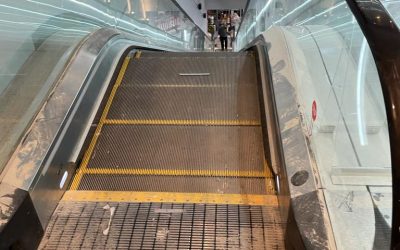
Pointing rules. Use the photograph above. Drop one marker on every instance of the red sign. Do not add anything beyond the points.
(314, 110)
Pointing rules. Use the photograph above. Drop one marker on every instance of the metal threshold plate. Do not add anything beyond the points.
(164, 226)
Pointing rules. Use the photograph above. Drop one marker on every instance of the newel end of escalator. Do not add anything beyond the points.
(20, 227)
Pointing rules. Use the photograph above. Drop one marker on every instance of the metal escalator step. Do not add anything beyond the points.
(166, 70)
(164, 226)
(190, 102)
(195, 55)
(233, 148)
(184, 184)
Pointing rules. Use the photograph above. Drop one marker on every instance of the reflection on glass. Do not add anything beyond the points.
(333, 66)
(393, 7)
(38, 37)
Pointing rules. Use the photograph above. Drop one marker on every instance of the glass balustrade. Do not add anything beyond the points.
(39, 36)
(340, 100)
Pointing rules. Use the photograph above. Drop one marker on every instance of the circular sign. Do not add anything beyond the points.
(314, 110)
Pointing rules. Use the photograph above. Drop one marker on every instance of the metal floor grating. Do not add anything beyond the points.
(80, 225)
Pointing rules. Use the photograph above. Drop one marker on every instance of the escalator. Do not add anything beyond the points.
(177, 160)
(113, 138)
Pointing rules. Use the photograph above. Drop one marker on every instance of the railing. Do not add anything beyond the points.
(383, 37)
(342, 87)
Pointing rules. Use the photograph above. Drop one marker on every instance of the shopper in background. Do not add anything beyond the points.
(235, 21)
(201, 37)
(223, 36)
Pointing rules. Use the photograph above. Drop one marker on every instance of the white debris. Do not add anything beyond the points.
(112, 210)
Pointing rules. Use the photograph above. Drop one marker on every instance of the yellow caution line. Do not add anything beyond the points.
(176, 172)
(211, 198)
(183, 122)
(89, 151)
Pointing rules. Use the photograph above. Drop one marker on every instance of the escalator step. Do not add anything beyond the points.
(184, 184)
(237, 70)
(190, 102)
(233, 148)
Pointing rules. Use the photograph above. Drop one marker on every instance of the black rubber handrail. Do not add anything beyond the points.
(383, 37)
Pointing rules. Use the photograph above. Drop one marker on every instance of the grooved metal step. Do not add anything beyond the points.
(184, 184)
(190, 102)
(165, 70)
(179, 147)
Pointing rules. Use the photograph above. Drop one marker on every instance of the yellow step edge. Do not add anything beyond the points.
(183, 122)
(89, 151)
(204, 198)
(269, 181)
(175, 172)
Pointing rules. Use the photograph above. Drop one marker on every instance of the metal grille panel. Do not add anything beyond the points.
(179, 147)
(164, 226)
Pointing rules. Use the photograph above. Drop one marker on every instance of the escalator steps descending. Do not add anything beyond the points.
(178, 152)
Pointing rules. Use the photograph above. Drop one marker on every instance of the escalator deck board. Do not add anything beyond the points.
(164, 226)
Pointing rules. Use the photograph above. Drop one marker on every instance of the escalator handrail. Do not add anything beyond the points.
(275, 154)
(383, 37)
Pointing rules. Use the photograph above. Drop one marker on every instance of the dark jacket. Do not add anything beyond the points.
(222, 32)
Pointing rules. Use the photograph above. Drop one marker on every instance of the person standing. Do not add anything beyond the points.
(223, 36)
(235, 21)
